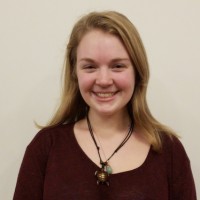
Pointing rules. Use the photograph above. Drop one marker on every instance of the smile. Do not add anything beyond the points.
(105, 95)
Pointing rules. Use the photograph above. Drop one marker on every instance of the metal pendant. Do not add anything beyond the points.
(102, 176)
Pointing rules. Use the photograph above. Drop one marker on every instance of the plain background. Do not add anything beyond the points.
(33, 37)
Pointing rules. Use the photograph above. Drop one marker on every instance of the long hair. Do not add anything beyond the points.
(72, 106)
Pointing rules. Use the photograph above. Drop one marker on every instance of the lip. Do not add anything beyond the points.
(104, 96)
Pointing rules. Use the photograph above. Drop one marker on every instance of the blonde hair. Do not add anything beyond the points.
(72, 106)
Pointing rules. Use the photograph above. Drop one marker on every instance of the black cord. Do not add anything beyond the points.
(120, 145)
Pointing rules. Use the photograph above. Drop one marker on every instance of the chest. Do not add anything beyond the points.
(70, 175)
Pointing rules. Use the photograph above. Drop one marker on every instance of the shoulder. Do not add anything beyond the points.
(180, 175)
(173, 146)
(175, 157)
(47, 137)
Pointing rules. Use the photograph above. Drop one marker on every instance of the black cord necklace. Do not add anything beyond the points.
(103, 174)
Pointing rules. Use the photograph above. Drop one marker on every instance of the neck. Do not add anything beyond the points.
(109, 125)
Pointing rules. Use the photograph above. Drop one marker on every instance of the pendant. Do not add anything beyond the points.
(102, 175)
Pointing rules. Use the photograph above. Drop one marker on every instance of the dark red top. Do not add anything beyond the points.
(56, 168)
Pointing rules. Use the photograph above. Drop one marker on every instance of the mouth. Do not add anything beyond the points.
(105, 94)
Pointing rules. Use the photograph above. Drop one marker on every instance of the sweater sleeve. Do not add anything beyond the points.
(32, 171)
(182, 182)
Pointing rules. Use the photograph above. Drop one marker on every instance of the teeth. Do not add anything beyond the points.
(105, 94)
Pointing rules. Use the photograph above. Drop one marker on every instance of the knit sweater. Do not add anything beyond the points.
(55, 167)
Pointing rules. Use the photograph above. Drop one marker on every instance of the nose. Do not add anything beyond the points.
(104, 77)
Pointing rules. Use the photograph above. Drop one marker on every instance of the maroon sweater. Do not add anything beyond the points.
(56, 168)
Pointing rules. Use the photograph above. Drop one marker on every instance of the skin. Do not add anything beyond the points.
(106, 81)
(105, 73)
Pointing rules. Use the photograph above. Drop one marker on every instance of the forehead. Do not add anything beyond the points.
(97, 43)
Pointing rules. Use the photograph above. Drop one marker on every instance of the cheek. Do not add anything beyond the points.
(84, 82)
(127, 82)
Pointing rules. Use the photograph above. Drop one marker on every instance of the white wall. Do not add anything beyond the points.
(33, 36)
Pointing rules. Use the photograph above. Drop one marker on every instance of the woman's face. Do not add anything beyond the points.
(105, 73)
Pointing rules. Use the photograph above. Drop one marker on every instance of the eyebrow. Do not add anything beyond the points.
(112, 61)
(86, 59)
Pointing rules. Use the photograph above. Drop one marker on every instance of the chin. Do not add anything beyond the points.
(108, 111)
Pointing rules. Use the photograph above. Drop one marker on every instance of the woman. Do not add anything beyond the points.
(103, 142)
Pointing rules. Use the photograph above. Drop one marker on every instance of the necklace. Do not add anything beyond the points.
(103, 174)
(101, 148)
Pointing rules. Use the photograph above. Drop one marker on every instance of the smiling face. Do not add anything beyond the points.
(105, 73)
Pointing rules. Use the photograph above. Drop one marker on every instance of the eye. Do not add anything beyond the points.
(89, 67)
(118, 66)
